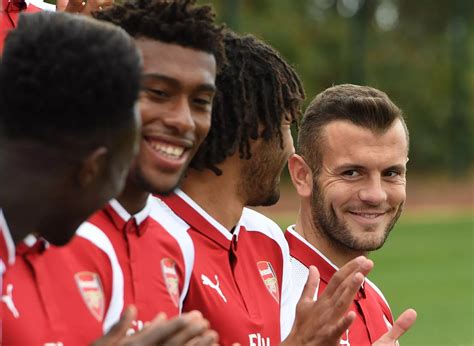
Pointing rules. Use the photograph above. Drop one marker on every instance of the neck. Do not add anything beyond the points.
(217, 195)
(133, 197)
(306, 227)
(25, 194)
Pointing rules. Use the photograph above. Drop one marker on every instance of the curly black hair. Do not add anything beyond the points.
(67, 80)
(171, 21)
(255, 90)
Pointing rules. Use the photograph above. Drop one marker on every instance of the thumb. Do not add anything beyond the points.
(400, 327)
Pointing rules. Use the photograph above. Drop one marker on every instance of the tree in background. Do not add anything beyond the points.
(420, 52)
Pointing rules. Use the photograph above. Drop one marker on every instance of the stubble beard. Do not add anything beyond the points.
(337, 232)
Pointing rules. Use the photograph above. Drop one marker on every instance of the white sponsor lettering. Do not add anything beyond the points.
(8, 300)
(258, 340)
(207, 282)
(58, 343)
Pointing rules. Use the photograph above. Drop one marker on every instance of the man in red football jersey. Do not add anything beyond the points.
(60, 160)
(146, 255)
(241, 280)
(40, 295)
(350, 175)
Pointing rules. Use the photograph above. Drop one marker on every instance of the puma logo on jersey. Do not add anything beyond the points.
(8, 300)
(207, 282)
(346, 341)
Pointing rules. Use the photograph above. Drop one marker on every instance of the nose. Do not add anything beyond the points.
(181, 116)
(373, 191)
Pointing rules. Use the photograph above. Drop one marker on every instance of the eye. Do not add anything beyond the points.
(391, 174)
(202, 101)
(157, 92)
(351, 173)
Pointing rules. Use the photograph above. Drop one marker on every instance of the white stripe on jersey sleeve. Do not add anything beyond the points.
(178, 229)
(97, 237)
(254, 221)
(43, 5)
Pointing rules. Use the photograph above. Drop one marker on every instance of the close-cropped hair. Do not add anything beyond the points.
(363, 106)
(67, 80)
(179, 22)
(256, 90)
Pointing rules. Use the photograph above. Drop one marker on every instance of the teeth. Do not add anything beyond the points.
(368, 216)
(168, 150)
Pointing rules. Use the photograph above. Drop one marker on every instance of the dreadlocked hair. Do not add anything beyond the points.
(255, 90)
(171, 21)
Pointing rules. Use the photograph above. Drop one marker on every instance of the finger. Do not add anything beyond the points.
(311, 285)
(159, 331)
(118, 330)
(195, 327)
(355, 265)
(344, 323)
(400, 327)
(345, 294)
(209, 338)
(71, 6)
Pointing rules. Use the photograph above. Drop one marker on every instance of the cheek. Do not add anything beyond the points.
(203, 125)
(339, 196)
(397, 194)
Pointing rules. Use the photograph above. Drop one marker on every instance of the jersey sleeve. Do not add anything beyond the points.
(116, 303)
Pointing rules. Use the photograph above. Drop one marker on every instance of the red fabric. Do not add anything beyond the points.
(48, 306)
(9, 18)
(244, 310)
(369, 305)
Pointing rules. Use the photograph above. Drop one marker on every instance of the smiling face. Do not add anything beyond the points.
(175, 104)
(359, 192)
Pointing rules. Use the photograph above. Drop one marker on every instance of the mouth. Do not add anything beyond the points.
(367, 217)
(170, 151)
(169, 154)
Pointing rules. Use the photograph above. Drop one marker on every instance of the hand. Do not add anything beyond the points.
(188, 329)
(323, 322)
(400, 327)
(82, 6)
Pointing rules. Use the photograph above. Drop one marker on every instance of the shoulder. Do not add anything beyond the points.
(161, 213)
(255, 221)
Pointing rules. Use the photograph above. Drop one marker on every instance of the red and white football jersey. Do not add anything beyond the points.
(155, 254)
(51, 297)
(9, 15)
(374, 317)
(241, 280)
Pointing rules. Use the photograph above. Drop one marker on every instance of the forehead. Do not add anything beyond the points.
(344, 141)
(186, 65)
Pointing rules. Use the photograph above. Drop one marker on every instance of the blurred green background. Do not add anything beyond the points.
(421, 52)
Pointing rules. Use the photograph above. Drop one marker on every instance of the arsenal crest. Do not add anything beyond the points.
(168, 268)
(269, 279)
(91, 290)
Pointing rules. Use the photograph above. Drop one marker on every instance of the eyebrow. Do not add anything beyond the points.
(348, 166)
(400, 168)
(175, 83)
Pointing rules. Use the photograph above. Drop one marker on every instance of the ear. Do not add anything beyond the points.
(301, 175)
(92, 166)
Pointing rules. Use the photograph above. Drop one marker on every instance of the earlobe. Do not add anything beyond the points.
(92, 166)
(301, 175)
